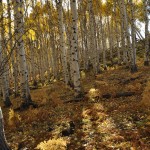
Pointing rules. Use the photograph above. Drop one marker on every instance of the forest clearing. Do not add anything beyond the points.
(74, 75)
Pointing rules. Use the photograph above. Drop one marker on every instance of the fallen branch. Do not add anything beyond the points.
(124, 94)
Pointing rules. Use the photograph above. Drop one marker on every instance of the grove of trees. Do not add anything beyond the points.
(41, 39)
(57, 39)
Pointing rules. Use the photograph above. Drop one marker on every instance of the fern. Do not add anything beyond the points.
(53, 144)
(14, 118)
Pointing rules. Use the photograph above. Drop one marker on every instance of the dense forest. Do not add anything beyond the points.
(74, 74)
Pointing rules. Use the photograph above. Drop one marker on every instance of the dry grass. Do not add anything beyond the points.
(14, 119)
(146, 95)
(54, 144)
(114, 123)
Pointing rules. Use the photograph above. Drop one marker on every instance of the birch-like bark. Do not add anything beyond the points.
(74, 48)
(83, 27)
(4, 47)
(62, 41)
(93, 48)
(3, 142)
(54, 56)
(32, 56)
(52, 43)
(110, 38)
(126, 28)
(123, 35)
(86, 51)
(103, 41)
(3, 80)
(3, 63)
(14, 66)
(133, 52)
(4, 44)
(147, 47)
(117, 34)
(69, 56)
(19, 32)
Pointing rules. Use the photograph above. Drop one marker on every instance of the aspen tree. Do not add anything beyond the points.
(147, 48)
(133, 52)
(74, 48)
(4, 46)
(103, 38)
(14, 65)
(93, 49)
(54, 54)
(126, 28)
(110, 39)
(62, 41)
(3, 63)
(117, 33)
(3, 142)
(19, 32)
(3, 80)
(123, 34)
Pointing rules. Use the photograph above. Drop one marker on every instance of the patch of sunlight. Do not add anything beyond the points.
(93, 94)
(128, 124)
(101, 68)
(125, 145)
(103, 1)
(114, 137)
(86, 120)
(52, 144)
(111, 68)
(106, 126)
(92, 90)
(85, 113)
(83, 75)
(55, 80)
(101, 116)
(14, 118)
(98, 107)
(137, 1)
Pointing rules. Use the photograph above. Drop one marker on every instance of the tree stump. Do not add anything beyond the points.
(3, 142)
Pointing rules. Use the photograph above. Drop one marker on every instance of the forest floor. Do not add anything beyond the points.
(110, 116)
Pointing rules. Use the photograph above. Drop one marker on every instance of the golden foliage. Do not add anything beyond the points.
(83, 74)
(14, 118)
(53, 144)
(93, 94)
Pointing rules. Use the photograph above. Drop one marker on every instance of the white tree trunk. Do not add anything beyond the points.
(3, 142)
(110, 38)
(133, 52)
(14, 67)
(126, 27)
(93, 48)
(3, 80)
(62, 41)
(103, 41)
(19, 31)
(3, 63)
(117, 34)
(74, 48)
(147, 48)
(4, 50)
